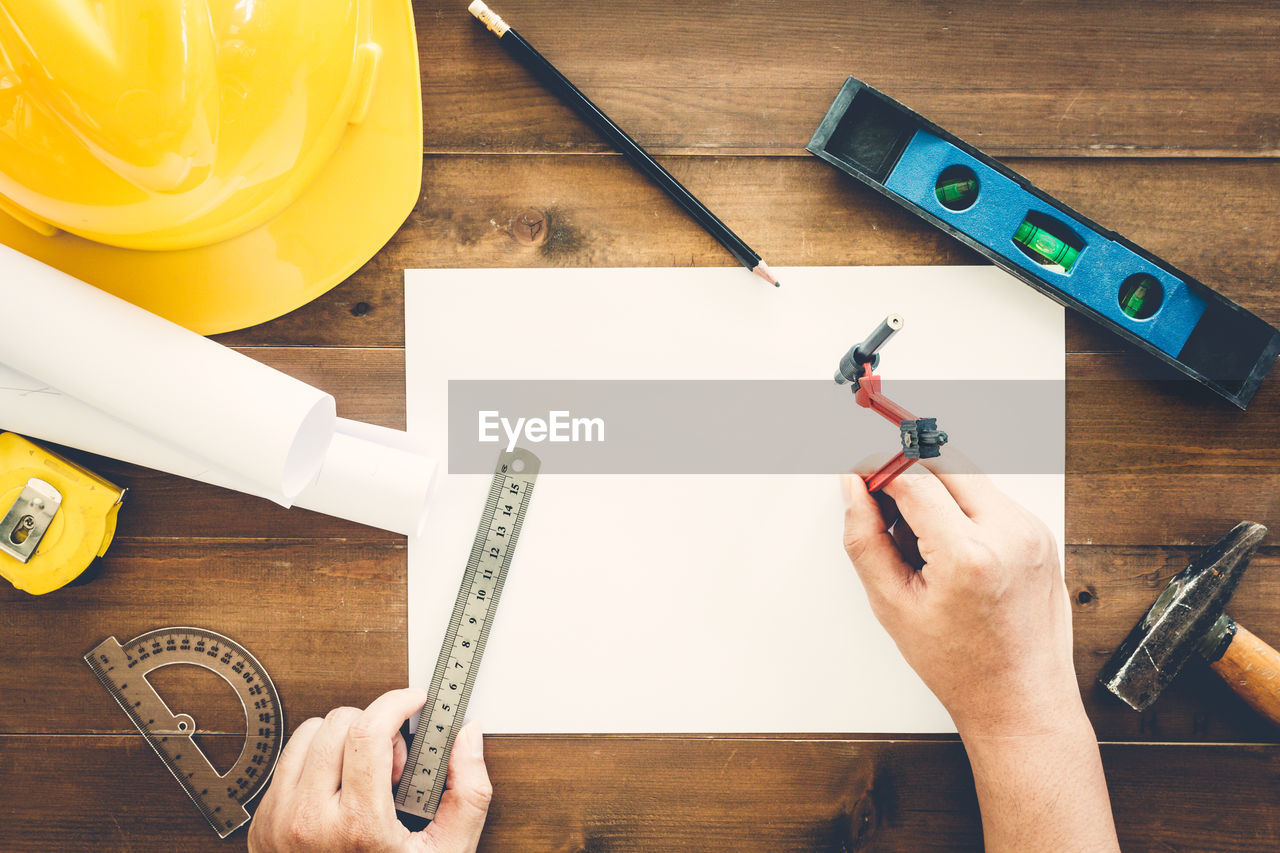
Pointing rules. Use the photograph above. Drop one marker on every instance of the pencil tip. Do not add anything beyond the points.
(762, 269)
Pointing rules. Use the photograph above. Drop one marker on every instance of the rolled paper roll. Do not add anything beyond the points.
(370, 474)
(374, 476)
(209, 402)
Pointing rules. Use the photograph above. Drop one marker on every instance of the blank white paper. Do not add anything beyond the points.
(693, 604)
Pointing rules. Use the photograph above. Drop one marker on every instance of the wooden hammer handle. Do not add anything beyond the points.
(1252, 669)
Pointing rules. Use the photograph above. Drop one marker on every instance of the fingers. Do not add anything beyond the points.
(905, 538)
(322, 771)
(332, 786)
(868, 542)
(465, 804)
(928, 506)
(399, 757)
(269, 813)
(973, 491)
(869, 464)
(289, 767)
(368, 757)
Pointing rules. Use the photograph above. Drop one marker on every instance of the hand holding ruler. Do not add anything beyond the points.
(422, 783)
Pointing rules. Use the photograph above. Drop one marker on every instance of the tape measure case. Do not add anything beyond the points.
(79, 528)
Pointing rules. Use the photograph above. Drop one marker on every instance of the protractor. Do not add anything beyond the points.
(221, 797)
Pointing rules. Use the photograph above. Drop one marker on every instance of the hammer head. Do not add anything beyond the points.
(1172, 630)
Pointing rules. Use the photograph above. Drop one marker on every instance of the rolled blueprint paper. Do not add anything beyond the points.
(212, 404)
(370, 474)
(375, 476)
(31, 407)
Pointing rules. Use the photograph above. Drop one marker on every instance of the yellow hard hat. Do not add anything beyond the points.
(218, 162)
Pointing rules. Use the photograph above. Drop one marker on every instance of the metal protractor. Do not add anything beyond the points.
(123, 668)
(422, 783)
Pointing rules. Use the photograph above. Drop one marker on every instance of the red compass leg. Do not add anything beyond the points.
(868, 396)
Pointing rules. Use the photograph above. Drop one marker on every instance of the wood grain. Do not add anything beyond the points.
(756, 77)
(1157, 120)
(1211, 218)
(608, 793)
(326, 619)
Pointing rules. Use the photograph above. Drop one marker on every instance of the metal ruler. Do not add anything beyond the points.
(422, 783)
(220, 797)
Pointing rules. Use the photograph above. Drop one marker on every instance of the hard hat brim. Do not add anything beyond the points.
(350, 210)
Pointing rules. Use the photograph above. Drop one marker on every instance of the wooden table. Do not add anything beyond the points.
(1158, 120)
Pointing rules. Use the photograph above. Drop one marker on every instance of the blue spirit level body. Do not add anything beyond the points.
(1031, 235)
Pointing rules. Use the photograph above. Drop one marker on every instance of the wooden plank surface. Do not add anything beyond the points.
(794, 212)
(612, 794)
(1157, 120)
(1081, 79)
(327, 619)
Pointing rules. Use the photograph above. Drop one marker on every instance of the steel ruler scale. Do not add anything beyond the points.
(422, 783)
(123, 668)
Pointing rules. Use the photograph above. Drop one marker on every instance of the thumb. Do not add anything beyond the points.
(460, 819)
(869, 544)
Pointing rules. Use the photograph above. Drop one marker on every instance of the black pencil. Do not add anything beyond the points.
(558, 83)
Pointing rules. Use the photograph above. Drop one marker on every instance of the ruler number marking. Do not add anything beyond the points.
(450, 688)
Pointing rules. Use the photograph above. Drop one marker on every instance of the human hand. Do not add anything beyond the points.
(968, 584)
(332, 789)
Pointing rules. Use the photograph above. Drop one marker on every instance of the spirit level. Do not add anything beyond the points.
(1037, 238)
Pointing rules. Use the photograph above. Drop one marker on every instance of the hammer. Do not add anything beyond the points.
(1189, 618)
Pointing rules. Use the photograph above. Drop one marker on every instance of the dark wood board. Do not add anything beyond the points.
(609, 794)
(795, 212)
(1081, 79)
(1157, 120)
(327, 619)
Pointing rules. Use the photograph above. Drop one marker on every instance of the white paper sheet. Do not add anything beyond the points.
(625, 615)
(205, 400)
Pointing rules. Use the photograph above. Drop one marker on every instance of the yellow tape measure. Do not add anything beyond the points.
(56, 518)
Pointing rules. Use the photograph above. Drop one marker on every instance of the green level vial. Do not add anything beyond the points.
(1044, 245)
(1140, 296)
(957, 194)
